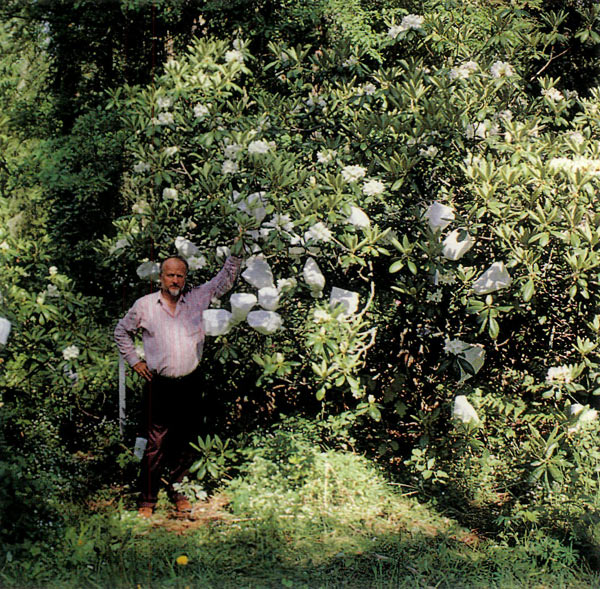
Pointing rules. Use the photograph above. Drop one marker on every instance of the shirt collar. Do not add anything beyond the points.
(159, 298)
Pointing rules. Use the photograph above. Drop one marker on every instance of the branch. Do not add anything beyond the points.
(552, 58)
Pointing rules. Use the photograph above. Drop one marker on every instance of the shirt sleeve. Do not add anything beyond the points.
(225, 279)
(124, 332)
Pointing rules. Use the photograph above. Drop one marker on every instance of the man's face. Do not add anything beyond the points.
(172, 277)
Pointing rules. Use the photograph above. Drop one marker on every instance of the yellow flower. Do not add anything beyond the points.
(182, 560)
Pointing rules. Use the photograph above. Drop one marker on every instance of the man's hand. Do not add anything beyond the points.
(142, 369)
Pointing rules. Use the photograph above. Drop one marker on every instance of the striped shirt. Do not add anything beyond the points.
(173, 342)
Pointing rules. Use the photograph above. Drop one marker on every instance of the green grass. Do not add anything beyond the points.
(338, 524)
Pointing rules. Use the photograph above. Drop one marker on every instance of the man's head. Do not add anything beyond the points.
(173, 272)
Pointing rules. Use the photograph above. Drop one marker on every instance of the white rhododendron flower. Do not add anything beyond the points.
(326, 156)
(216, 322)
(410, 21)
(165, 118)
(141, 207)
(464, 411)
(346, 298)
(254, 205)
(268, 298)
(280, 223)
(373, 187)
(164, 102)
(578, 409)
(258, 272)
(285, 284)
(70, 353)
(259, 147)
(494, 278)
(454, 346)
(576, 137)
(474, 354)
(318, 232)
(315, 100)
(463, 71)
(358, 217)
(234, 55)
(501, 69)
(430, 152)
(457, 244)
(584, 414)
(229, 167)
(141, 167)
(313, 276)
(196, 262)
(552, 94)
(232, 150)
(321, 316)
(265, 322)
(560, 374)
(369, 89)
(170, 193)
(53, 270)
(171, 150)
(200, 111)
(185, 248)
(439, 216)
(353, 173)
(148, 270)
(52, 290)
(241, 303)
(577, 164)
(119, 245)
(5, 327)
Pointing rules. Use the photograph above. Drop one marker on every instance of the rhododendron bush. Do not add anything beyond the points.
(417, 214)
(442, 170)
(448, 189)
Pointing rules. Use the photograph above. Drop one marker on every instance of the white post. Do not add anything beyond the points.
(121, 394)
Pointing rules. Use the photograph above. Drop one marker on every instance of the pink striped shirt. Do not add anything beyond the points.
(173, 343)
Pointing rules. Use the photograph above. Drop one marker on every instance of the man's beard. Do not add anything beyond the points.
(174, 291)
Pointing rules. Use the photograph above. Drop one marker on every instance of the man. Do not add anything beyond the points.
(174, 404)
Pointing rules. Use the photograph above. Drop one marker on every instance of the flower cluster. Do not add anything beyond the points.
(464, 71)
(373, 187)
(353, 173)
(501, 69)
(318, 232)
(70, 353)
(410, 21)
(559, 374)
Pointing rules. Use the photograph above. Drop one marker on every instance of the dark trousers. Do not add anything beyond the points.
(175, 413)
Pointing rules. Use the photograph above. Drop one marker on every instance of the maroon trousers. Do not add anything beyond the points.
(175, 413)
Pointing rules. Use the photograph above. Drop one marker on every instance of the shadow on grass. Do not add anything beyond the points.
(404, 545)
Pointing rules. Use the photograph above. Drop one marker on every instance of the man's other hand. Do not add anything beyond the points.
(142, 369)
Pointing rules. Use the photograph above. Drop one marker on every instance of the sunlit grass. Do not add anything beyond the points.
(339, 525)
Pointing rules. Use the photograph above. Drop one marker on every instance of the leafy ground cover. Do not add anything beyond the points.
(341, 524)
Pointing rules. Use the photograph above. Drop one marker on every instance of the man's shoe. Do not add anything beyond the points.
(145, 512)
(183, 506)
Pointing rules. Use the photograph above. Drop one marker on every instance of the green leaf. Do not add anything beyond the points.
(396, 266)
(493, 328)
(528, 290)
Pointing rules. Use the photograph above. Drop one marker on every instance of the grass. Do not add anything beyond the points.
(336, 524)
